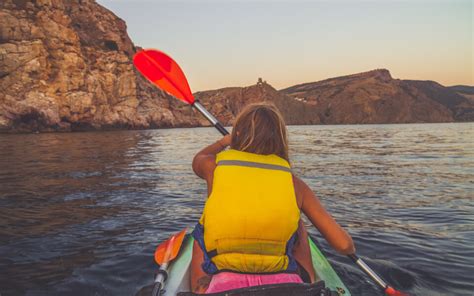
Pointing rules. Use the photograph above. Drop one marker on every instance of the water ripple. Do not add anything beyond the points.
(82, 213)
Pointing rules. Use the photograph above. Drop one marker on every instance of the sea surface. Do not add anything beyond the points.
(82, 213)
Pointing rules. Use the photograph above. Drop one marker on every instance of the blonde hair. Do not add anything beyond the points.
(260, 128)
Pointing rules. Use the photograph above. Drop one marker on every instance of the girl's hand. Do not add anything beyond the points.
(225, 141)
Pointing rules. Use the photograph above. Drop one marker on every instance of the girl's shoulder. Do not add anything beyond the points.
(204, 165)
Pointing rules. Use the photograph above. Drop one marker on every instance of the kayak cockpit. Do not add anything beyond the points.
(178, 282)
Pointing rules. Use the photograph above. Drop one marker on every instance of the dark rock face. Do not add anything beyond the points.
(66, 65)
(464, 109)
(462, 89)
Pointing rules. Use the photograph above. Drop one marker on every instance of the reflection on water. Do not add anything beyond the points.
(81, 213)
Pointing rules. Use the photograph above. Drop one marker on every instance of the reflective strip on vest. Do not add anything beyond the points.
(254, 165)
(251, 214)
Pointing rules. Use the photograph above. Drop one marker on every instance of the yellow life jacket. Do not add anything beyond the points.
(251, 214)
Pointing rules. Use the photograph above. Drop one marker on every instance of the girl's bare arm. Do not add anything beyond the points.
(336, 236)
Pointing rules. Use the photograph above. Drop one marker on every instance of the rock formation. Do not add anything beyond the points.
(66, 65)
(226, 103)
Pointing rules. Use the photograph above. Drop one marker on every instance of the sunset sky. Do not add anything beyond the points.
(232, 43)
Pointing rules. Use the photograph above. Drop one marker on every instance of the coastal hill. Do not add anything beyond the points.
(226, 103)
(369, 97)
(66, 65)
(375, 97)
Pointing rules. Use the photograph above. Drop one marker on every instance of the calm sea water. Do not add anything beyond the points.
(81, 213)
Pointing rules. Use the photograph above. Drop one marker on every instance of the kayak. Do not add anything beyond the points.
(178, 281)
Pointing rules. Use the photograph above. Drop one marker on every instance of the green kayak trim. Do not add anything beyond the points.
(179, 274)
(325, 272)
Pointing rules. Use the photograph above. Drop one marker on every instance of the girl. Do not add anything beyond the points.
(250, 232)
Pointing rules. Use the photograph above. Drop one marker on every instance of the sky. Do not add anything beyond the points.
(232, 43)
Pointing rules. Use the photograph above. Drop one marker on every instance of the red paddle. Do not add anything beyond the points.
(164, 254)
(164, 72)
(169, 249)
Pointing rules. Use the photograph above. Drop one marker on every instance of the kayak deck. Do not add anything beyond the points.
(179, 271)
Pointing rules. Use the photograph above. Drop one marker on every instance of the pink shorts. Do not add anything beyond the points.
(224, 281)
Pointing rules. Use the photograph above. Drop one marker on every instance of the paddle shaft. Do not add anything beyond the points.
(362, 265)
(160, 279)
(210, 117)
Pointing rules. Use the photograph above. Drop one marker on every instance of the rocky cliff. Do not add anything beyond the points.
(66, 65)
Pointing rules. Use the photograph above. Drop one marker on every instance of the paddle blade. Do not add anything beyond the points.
(392, 292)
(169, 249)
(164, 72)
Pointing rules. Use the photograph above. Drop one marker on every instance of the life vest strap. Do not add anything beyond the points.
(212, 253)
